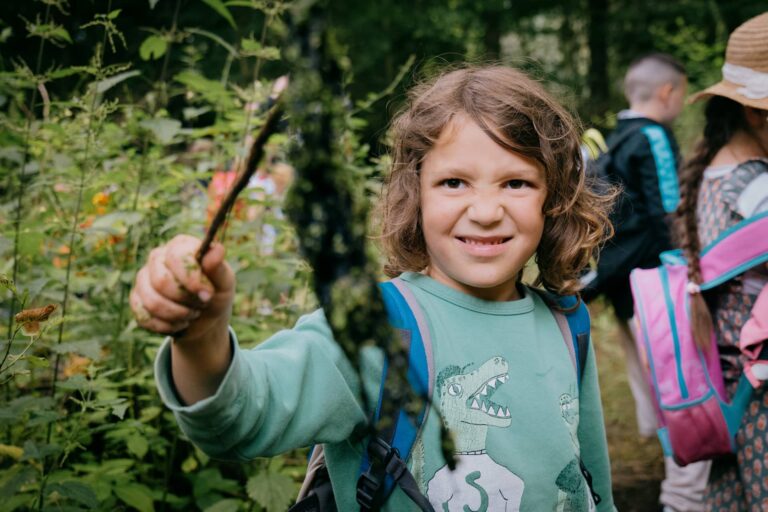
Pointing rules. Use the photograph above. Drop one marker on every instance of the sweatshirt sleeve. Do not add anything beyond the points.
(594, 446)
(295, 389)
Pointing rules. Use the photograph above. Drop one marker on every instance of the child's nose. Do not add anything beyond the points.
(485, 209)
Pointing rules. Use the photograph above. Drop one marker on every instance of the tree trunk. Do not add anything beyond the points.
(598, 82)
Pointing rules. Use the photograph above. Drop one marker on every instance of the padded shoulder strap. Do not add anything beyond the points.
(572, 318)
(396, 441)
(738, 249)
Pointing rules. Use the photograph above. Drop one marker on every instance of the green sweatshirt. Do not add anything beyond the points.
(506, 387)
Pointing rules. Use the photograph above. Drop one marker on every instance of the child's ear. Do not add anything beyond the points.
(663, 92)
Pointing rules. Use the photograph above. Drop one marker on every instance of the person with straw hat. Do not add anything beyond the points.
(725, 181)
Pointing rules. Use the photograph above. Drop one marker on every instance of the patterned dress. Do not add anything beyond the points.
(738, 482)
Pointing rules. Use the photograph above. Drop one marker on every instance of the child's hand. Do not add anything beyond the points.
(172, 296)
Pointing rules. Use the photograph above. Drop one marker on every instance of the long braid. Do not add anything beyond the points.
(723, 118)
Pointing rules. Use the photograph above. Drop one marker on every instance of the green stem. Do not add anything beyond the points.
(169, 469)
(19, 206)
(90, 131)
(167, 58)
(130, 255)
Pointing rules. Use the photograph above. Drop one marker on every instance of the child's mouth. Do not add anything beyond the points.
(484, 240)
(484, 246)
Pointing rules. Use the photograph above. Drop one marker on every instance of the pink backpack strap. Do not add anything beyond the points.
(743, 246)
(739, 248)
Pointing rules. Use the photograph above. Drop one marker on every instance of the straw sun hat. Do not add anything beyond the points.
(745, 73)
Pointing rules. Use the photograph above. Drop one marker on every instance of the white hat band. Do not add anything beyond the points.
(755, 83)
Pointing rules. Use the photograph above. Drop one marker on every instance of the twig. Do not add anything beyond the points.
(257, 152)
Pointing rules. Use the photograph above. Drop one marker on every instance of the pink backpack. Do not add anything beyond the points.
(696, 422)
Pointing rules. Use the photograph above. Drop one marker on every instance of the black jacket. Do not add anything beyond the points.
(645, 165)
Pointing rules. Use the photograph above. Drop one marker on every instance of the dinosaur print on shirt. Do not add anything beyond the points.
(478, 483)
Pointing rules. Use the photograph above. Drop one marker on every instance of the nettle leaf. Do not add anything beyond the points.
(190, 464)
(219, 7)
(150, 413)
(103, 86)
(34, 451)
(164, 129)
(227, 505)
(119, 409)
(37, 362)
(253, 48)
(30, 243)
(13, 479)
(212, 90)
(114, 14)
(137, 445)
(76, 491)
(273, 491)
(153, 3)
(135, 495)
(210, 479)
(153, 47)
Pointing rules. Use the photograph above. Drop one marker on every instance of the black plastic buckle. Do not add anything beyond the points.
(379, 449)
(384, 457)
(367, 489)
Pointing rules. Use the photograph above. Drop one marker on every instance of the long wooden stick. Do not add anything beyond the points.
(255, 155)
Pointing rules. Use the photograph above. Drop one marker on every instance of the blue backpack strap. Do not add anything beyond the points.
(572, 317)
(577, 316)
(384, 462)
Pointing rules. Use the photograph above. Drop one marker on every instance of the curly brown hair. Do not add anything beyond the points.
(519, 115)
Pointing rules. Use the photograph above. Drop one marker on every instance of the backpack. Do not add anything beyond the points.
(599, 162)
(696, 421)
(384, 464)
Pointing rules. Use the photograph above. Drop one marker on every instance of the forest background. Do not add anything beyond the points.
(115, 116)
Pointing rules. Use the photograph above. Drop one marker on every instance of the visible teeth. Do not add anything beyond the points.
(506, 413)
(491, 411)
(500, 413)
(484, 391)
(484, 407)
(504, 378)
(472, 241)
(475, 405)
(492, 382)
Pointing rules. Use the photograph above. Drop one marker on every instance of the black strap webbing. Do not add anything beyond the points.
(386, 461)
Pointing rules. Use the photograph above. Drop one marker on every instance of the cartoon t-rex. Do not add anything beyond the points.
(478, 483)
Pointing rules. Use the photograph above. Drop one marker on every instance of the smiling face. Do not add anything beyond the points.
(481, 211)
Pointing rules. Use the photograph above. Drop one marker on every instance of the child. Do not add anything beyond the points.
(726, 181)
(486, 174)
(644, 157)
(643, 149)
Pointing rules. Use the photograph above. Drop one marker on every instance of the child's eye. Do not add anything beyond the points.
(452, 183)
(516, 184)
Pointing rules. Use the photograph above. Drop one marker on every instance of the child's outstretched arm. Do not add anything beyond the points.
(173, 295)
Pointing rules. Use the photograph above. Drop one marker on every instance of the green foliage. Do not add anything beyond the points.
(90, 181)
(114, 117)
